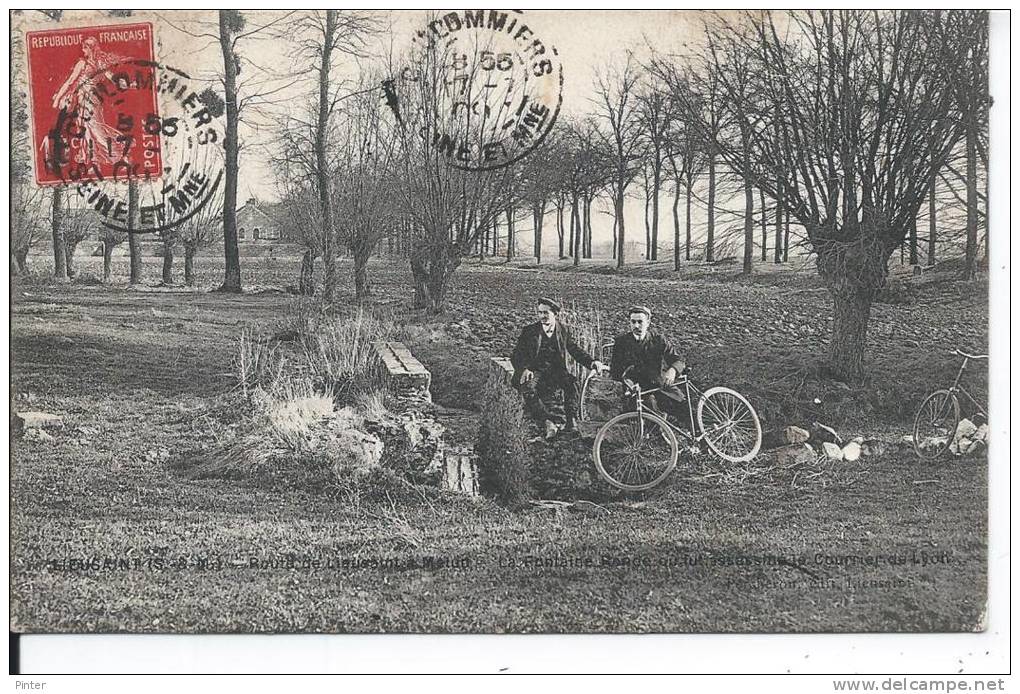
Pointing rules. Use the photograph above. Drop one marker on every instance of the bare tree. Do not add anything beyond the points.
(231, 27)
(27, 209)
(111, 238)
(970, 84)
(656, 113)
(869, 111)
(363, 184)
(686, 151)
(78, 224)
(616, 103)
(450, 207)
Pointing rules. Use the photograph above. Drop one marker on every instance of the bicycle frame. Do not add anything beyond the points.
(957, 388)
(638, 393)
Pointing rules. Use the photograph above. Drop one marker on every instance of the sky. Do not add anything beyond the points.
(586, 42)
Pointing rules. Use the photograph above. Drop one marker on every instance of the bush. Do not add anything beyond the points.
(502, 449)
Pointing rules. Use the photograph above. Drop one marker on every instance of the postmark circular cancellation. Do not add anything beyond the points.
(122, 119)
(499, 86)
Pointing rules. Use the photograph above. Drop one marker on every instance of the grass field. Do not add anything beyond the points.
(105, 536)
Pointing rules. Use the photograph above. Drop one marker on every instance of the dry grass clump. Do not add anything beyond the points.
(257, 362)
(340, 352)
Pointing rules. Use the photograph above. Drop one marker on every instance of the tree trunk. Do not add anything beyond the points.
(931, 222)
(575, 230)
(362, 289)
(970, 260)
(134, 240)
(786, 236)
(168, 264)
(69, 248)
(322, 178)
(539, 218)
(189, 265)
(108, 247)
(510, 234)
(621, 236)
(231, 254)
(912, 236)
(306, 281)
(573, 214)
(57, 227)
(851, 310)
(21, 258)
(656, 190)
(419, 274)
(560, 204)
(687, 240)
(764, 227)
(648, 224)
(710, 240)
(676, 226)
(441, 266)
(777, 257)
(748, 227)
(587, 226)
(615, 232)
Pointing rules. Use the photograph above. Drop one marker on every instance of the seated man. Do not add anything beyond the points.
(645, 353)
(540, 367)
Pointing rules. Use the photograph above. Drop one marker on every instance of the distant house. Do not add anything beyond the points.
(255, 224)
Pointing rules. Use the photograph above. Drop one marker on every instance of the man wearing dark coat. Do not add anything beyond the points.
(649, 360)
(540, 367)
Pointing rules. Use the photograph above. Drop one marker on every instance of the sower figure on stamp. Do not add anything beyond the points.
(540, 368)
(652, 362)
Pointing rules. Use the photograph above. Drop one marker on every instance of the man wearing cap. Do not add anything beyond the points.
(540, 367)
(651, 361)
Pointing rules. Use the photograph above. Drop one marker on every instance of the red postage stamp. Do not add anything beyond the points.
(94, 104)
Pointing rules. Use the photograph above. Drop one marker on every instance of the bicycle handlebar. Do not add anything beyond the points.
(961, 353)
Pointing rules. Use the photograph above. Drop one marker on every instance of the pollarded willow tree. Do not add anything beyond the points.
(849, 113)
(448, 205)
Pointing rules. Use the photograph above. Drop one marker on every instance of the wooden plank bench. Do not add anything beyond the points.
(405, 375)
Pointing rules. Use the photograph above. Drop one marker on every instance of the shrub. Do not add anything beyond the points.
(503, 460)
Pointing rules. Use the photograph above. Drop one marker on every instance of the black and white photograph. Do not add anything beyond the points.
(503, 321)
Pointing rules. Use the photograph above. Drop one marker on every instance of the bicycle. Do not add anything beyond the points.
(638, 449)
(938, 417)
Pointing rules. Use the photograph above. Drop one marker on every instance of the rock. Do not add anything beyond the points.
(832, 451)
(356, 452)
(794, 434)
(38, 435)
(981, 434)
(852, 452)
(974, 448)
(824, 434)
(794, 454)
(40, 420)
(965, 429)
(873, 447)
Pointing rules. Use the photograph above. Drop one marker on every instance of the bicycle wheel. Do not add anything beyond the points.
(729, 424)
(635, 451)
(935, 424)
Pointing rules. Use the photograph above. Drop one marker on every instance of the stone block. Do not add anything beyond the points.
(405, 375)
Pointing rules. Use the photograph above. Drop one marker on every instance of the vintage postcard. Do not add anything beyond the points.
(498, 321)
